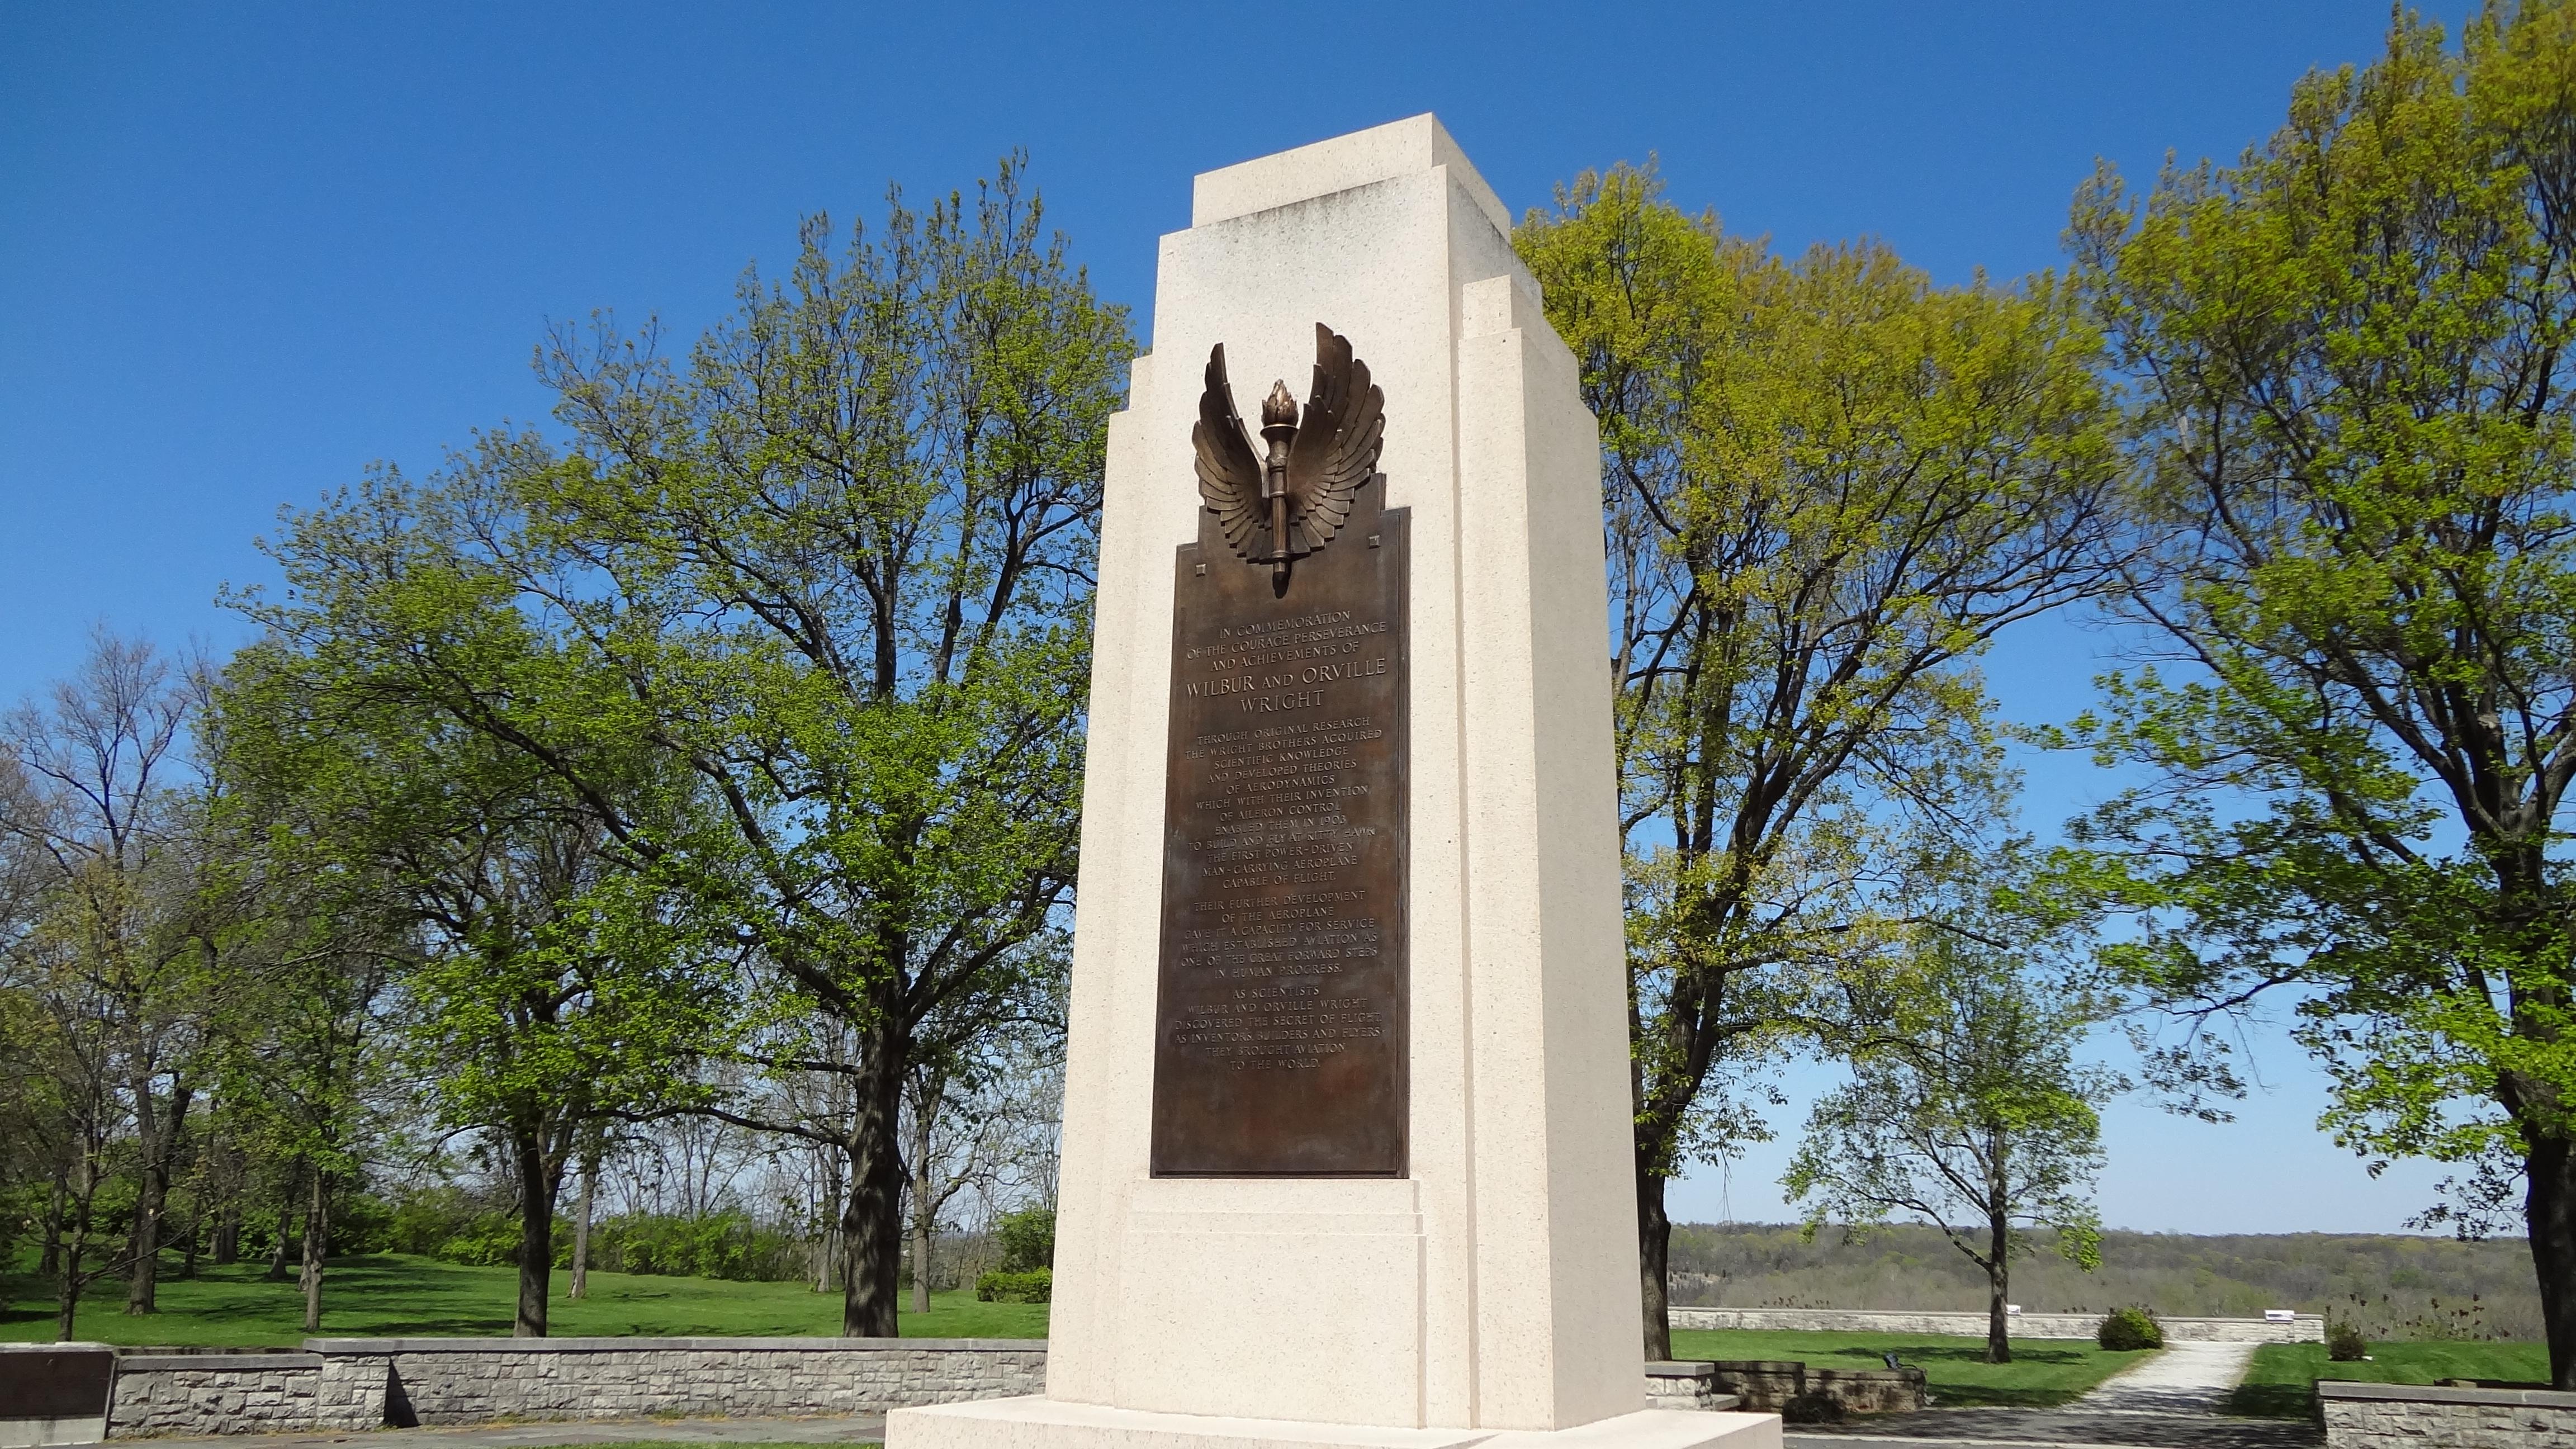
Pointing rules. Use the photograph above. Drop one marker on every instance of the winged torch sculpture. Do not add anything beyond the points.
(1279, 508)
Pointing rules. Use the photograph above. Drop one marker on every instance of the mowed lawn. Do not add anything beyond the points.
(391, 1295)
(2279, 1383)
(2044, 1371)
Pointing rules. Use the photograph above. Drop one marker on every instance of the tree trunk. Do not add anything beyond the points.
(51, 1263)
(827, 1247)
(920, 1249)
(924, 1183)
(68, 1282)
(1998, 1245)
(1654, 1250)
(2549, 1213)
(156, 1142)
(872, 1219)
(536, 1229)
(228, 1233)
(581, 1231)
(1998, 1291)
(285, 1231)
(317, 1239)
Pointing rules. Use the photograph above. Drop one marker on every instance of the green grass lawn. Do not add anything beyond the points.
(2044, 1371)
(391, 1295)
(2278, 1382)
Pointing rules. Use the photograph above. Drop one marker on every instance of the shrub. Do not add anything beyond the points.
(361, 1223)
(1028, 1239)
(486, 1240)
(1034, 1286)
(2130, 1328)
(2344, 1343)
(724, 1244)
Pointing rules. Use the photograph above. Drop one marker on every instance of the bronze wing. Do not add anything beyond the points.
(1336, 446)
(1229, 471)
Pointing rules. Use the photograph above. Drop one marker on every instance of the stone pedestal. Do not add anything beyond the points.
(1489, 1295)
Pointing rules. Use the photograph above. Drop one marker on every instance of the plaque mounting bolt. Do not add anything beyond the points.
(1372, 544)
(1202, 568)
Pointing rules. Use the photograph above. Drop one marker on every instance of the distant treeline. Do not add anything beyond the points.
(2389, 1286)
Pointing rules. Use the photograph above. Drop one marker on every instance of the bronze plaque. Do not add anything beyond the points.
(1280, 1033)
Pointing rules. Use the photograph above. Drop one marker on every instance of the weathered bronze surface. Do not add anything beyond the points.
(1278, 509)
(1280, 1032)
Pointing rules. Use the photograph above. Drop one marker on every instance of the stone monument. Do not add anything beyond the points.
(1346, 1131)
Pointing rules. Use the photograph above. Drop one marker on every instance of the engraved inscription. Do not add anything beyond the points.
(1280, 1031)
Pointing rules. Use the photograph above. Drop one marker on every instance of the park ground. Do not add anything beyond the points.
(392, 1295)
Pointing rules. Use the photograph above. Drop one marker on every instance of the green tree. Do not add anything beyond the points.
(1828, 485)
(136, 912)
(545, 984)
(1967, 1108)
(2350, 367)
(834, 574)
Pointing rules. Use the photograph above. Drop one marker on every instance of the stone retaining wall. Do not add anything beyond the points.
(1804, 1395)
(2306, 1328)
(468, 1381)
(343, 1384)
(204, 1393)
(352, 1384)
(2385, 1416)
(1686, 1385)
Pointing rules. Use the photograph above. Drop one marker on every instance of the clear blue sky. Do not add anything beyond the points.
(247, 249)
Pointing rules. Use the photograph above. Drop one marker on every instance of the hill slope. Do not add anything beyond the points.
(2390, 1286)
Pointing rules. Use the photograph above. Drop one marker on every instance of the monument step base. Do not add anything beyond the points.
(1040, 1423)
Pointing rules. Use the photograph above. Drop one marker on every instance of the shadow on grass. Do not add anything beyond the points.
(2272, 1401)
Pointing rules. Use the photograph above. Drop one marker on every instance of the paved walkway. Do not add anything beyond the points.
(2187, 1378)
(850, 1429)
(2170, 1401)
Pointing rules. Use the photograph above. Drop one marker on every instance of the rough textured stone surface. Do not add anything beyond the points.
(1685, 1385)
(243, 1393)
(341, 1385)
(463, 1381)
(353, 1384)
(2385, 1416)
(1812, 1395)
(2306, 1328)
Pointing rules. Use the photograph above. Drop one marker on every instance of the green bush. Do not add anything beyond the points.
(1028, 1240)
(486, 1240)
(425, 1222)
(361, 1223)
(1034, 1286)
(2344, 1343)
(726, 1245)
(2130, 1328)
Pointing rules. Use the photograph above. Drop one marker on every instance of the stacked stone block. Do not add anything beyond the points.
(2386, 1416)
(236, 1393)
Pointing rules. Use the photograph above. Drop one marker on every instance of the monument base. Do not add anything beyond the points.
(1032, 1422)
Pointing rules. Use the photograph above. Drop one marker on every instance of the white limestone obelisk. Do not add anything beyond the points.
(1489, 1296)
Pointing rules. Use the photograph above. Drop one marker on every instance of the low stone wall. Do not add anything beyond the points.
(2306, 1328)
(1804, 1395)
(348, 1384)
(208, 1393)
(468, 1381)
(1686, 1385)
(2385, 1416)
